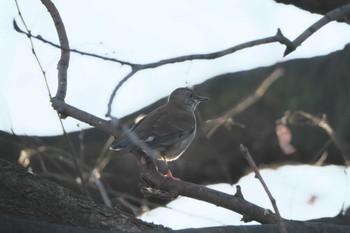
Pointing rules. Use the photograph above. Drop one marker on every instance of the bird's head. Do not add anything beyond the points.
(187, 97)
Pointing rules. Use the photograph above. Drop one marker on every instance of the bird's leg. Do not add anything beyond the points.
(168, 173)
(160, 166)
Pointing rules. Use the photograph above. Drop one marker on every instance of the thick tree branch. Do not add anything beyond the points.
(27, 196)
(108, 126)
(65, 55)
(336, 14)
(29, 203)
(62, 74)
(158, 185)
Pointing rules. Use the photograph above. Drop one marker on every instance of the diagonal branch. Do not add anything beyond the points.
(227, 118)
(252, 164)
(336, 14)
(40, 38)
(169, 187)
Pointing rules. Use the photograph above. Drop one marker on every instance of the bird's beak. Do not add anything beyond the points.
(200, 98)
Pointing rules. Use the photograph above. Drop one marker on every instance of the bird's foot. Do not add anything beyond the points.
(170, 175)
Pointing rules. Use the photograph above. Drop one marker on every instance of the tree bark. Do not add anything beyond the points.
(27, 226)
(24, 195)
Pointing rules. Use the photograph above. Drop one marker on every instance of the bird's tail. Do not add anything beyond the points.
(120, 143)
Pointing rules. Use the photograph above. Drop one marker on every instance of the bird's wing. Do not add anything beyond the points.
(167, 128)
(161, 128)
(124, 140)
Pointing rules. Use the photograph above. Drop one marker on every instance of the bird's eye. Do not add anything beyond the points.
(191, 95)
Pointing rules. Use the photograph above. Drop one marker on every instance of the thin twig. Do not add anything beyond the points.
(104, 156)
(227, 118)
(318, 156)
(95, 177)
(40, 38)
(114, 92)
(252, 164)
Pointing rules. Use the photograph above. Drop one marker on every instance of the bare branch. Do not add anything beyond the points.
(95, 177)
(108, 126)
(62, 79)
(252, 164)
(227, 118)
(173, 187)
(111, 98)
(279, 37)
(336, 14)
(40, 38)
(62, 73)
(65, 55)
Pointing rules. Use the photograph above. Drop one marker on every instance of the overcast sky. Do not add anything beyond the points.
(138, 31)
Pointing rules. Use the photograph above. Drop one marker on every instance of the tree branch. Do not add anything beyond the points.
(27, 196)
(336, 14)
(252, 164)
(65, 55)
(227, 118)
(158, 185)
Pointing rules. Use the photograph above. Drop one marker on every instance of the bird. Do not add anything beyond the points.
(168, 129)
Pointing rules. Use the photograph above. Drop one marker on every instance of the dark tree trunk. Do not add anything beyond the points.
(24, 195)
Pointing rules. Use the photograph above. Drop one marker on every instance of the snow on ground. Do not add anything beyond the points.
(301, 191)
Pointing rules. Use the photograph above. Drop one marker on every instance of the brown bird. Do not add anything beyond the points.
(168, 129)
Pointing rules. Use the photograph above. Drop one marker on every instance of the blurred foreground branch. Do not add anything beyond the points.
(227, 118)
(300, 116)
